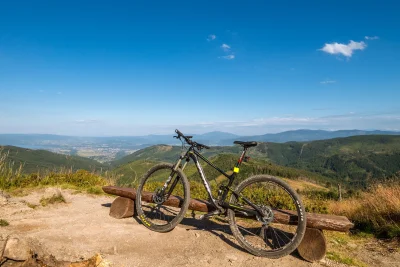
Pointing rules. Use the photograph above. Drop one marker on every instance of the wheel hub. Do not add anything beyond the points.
(158, 197)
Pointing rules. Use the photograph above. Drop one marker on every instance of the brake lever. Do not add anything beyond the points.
(177, 137)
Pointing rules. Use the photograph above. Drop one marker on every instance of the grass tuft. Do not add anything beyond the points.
(52, 200)
(345, 259)
(30, 205)
(3, 223)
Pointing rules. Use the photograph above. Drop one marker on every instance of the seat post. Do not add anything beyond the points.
(241, 157)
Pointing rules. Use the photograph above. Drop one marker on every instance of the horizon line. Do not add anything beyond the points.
(239, 135)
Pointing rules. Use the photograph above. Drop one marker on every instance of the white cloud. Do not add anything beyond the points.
(229, 57)
(371, 37)
(327, 82)
(343, 49)
(211, 37)
(225, 47)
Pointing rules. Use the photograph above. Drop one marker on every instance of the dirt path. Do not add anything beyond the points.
(81, 228)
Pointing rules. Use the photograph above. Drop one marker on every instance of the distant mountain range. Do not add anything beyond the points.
(44, 141)
(311, 135)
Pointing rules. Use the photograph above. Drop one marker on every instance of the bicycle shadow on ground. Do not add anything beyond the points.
(218, 226)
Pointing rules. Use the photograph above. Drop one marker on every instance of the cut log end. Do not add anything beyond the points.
(122, 208)
(313, 246)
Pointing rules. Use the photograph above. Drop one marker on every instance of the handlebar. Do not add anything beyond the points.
(190, 142)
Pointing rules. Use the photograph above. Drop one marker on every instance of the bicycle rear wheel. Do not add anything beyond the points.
(265, 236)
(150, 206)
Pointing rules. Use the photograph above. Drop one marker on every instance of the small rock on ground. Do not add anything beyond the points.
(16, 249)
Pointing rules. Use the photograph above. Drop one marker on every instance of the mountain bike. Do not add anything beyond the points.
(265, 215)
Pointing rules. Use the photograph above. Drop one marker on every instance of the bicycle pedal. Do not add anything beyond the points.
(208, 215)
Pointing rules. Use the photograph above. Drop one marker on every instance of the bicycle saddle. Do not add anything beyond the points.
(246, 144)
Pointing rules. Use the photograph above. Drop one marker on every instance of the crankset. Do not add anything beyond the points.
(268, 215)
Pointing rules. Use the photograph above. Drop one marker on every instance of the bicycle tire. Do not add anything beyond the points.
(140, 205)
(263, 252)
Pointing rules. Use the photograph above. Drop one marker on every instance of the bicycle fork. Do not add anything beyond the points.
(171, 176)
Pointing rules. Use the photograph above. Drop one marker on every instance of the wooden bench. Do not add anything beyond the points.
(312, 248)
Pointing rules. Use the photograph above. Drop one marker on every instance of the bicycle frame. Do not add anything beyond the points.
(193, 154)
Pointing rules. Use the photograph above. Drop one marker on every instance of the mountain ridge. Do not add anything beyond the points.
(209, 138)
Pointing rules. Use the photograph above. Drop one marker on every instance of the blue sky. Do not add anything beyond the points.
(246, 67)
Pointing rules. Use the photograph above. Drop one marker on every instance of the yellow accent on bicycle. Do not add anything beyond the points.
(236, 169)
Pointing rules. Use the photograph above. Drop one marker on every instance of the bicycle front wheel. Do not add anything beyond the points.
(154, 207)
(280, 230)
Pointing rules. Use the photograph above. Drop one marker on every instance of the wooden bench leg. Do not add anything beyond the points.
(122, 208)
(313, 246)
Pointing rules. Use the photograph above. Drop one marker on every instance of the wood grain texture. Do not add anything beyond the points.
(122, 207)
(313, 246)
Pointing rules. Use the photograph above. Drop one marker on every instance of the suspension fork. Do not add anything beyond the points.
(177, 178)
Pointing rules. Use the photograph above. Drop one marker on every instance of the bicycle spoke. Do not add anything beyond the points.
(263, 236)
(158, 216)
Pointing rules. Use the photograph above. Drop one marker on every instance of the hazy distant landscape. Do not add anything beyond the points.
(107, 149)
(356, 161)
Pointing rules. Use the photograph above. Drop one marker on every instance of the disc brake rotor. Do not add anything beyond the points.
(268, 215)
(158, 197)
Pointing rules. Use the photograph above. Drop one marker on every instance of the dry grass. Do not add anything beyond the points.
(377, 210)
(13, 179)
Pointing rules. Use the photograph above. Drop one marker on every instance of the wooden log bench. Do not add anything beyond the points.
(312, 248)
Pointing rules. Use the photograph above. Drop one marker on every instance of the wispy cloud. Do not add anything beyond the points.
(371, 37)
(229, 57)
(225, 47)
(211, 37)
(346, 50)
(327, 82)
(88, 121)
(349, 120)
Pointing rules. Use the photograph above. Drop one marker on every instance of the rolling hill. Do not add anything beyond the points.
(356, 161)
(42, 160)
(130, 173)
